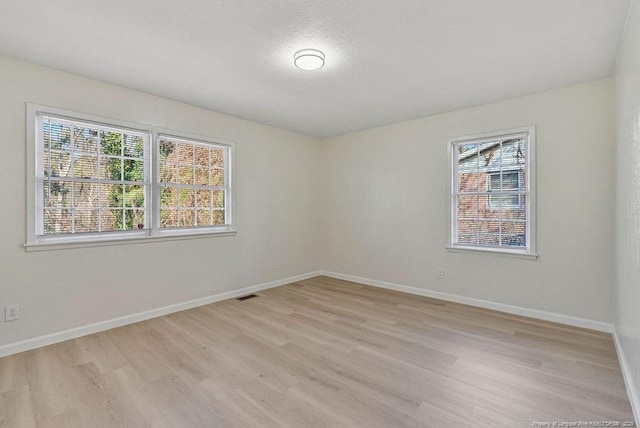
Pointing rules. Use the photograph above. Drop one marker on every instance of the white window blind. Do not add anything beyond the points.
(491, 192)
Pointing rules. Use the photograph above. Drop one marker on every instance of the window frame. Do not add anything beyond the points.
(528, 252)
(153, 232)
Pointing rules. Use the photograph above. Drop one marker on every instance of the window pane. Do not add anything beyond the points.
(513, 207)
(204, 217)
(489, 156)
(133, 146)
(57, 221)
(467, 167)
(122, 219)
(187, 198)
(202, 175)
(514, 233)
(134, 196)
(467, 207)
(467, 232)
(169, 217)
(218, 217)
(57, 193)
(111, 143)
(133, 219)
(169, 197)
(218, 199)
(167, 151)
(86, 220)
(112, 195)
(514, 154)
(217, 158)
(168, 173)
(60, 136)
(133, 170)
(110, 220)
(57, 164)
(486, 207)
(217, 177)
(186, 217)
(185, 175)
(110, 168)
(204, 198)
(184, 154)
(85, 166)
(489, 233)
(85, 140)
(86, 195)
(202, 156)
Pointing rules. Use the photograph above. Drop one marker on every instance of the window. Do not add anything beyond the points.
(94, 180)
(194, 183)
(91, 178)
(492, 203)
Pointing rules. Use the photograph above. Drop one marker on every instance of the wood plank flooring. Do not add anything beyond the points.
(320, 353)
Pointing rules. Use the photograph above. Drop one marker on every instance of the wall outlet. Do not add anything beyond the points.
(440, 273)
(12, 312)
(274, 264)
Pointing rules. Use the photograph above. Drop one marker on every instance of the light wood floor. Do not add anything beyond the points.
(320, 352)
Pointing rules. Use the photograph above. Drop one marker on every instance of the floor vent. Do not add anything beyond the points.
(247, 297)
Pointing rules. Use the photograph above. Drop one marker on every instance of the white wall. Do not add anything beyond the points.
(627, 285)
(370, 204)
(276, 217)
(384, 200)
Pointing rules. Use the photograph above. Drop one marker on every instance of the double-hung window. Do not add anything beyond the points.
(91, 178)
(492, 198)
(94, 179)
(194, 183)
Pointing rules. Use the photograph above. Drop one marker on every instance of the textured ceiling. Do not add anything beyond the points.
(386, 60)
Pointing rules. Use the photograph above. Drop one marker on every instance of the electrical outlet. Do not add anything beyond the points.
(274, 265)
(12, 312)
(440, 273)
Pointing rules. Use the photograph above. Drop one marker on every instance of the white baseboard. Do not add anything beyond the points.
(632, 391)
(36, 342)
(61, 336)
(501, 307)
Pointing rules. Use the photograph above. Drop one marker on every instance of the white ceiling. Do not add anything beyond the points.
(386, 60)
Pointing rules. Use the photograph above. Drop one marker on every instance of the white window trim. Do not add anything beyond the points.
(530, 251)
(35, 242)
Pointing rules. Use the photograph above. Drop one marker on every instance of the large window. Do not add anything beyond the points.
(100, 180)
(492, 203)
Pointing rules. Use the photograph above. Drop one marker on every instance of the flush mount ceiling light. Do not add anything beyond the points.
(309, 59)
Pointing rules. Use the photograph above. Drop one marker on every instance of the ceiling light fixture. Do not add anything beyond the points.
(309, 59)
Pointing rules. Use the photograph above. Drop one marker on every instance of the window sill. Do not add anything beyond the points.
(481, 250)
(70, 244)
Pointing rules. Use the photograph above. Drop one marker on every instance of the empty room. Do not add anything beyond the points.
(420, 213)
